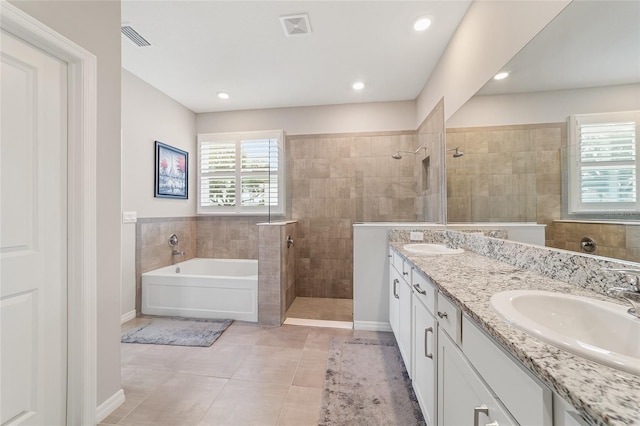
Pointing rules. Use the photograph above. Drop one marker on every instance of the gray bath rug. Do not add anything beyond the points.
(177, 331)
(367, 384)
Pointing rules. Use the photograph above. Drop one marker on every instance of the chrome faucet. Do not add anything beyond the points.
(177, 252)
(632, 294)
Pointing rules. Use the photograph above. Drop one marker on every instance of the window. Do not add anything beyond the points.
(603, 163)
(241, 173)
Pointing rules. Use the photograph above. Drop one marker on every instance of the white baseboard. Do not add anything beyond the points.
(109, 406)
(128, 316)
(371, 326)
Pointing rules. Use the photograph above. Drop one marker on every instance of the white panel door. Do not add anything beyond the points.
(33, 236)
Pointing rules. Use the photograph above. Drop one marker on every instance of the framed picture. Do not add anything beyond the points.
(172, 172)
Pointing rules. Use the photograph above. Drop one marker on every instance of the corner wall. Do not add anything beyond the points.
(94, 25)
(149, 115)
(431, 177)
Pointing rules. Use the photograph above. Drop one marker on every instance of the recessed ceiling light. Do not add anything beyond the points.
(358, 85)
(421, 24)
(501, 75)
(223, 95)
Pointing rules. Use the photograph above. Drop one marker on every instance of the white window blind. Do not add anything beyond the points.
(603, 176)
(240, 173)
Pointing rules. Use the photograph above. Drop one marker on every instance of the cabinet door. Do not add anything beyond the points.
(404, 342)
(424, 360)
(394, 300)
(462, 397)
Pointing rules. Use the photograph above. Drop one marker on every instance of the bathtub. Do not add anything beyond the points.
(203, 288)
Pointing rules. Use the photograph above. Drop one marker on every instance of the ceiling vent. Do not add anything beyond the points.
(133, 35)
(294, 25)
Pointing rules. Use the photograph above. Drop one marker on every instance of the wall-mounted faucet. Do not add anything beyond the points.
(177, 252)
(631, 294)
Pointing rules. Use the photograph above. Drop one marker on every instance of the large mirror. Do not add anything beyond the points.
(513, 132)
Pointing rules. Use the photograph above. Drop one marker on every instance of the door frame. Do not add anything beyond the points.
(81, 205)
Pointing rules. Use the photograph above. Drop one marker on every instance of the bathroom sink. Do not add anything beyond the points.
(600, 331)
(431, 249)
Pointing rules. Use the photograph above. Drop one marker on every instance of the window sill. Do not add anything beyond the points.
(600, 221)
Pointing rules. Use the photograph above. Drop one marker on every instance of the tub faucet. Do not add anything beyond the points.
(177, 252)
(631, 294)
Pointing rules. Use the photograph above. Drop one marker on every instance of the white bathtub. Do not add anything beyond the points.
(203, 288)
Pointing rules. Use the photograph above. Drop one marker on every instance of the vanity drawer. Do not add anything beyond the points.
(424, 290)
(449, 318)
(526, 397)
(402, 266)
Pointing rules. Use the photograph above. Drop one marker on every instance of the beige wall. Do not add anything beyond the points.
(544, 107)
(149, 115)
(348, 118)
(338, 180)
(490, 34)
(508, 174)
(95, 26)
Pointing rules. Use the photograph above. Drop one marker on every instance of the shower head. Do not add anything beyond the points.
(397, 155)
(457, 153)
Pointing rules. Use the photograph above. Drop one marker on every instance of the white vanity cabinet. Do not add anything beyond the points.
(400, 306)
(425, 350)
(394, 300)
(463, 398)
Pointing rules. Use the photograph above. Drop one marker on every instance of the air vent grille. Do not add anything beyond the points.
(133, 35)
(295, 25)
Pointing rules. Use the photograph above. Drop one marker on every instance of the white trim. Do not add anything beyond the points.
(372, 326)
(319, 323)
(127, 316)
(82, 134)
(110, 405)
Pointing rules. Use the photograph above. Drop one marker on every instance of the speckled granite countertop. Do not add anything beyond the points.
(605, 396)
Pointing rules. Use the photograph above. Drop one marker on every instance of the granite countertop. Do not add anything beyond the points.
(604, 395)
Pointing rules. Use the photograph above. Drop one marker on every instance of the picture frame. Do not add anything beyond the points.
(171, 172)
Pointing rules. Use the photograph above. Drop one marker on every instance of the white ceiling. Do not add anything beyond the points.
(202, 47)
(589, 44)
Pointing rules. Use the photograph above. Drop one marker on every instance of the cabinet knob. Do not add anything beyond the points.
(442, 314)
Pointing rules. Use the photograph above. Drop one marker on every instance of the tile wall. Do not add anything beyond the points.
(208, 237)
(228, 237)
(620, 241)
(508, 174)
(337, 180)
(152, 245)
(277, 279)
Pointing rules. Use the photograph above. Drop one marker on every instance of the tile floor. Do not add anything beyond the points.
(319, 308)
(252, 375)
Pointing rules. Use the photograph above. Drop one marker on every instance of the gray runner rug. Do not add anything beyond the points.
(177, 331)
(367, 384)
